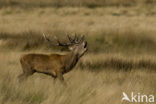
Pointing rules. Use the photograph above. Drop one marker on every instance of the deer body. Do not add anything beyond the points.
(54, 65)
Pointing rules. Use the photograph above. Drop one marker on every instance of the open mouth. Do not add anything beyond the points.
(85, 45)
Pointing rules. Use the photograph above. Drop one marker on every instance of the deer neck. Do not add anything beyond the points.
(70, 61)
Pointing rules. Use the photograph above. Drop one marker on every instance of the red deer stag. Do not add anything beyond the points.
(54, 65)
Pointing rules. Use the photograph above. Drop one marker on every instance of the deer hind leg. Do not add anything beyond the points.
(27, 71)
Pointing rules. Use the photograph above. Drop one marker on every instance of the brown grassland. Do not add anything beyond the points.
(121, 56)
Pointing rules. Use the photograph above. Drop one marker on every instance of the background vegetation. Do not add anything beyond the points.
(74, 3)
(121, 56)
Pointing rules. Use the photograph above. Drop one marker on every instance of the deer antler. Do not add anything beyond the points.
(45, 37)
(82, 38)
(72, 41)
(75, 40)
(58, 42)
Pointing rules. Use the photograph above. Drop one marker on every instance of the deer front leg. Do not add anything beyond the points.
(60, 77)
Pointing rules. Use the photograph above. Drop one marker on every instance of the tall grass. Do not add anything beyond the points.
(83, 86)
(118, 62)
(120, 58)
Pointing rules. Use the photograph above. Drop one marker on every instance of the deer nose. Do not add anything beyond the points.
(85, 44)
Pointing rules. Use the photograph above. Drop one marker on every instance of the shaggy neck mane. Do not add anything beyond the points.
(70, 61)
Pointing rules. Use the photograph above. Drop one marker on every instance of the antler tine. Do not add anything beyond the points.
(73, 41)
(58, 42)
(45, 37)
(69, 38)
(49, 40)
(75, 38)
(82, 38)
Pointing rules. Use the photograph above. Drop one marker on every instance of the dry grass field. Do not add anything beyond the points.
(121, 55)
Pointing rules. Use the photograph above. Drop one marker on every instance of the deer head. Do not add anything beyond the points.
(77, 45)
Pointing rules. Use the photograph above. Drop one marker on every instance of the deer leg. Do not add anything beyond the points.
(61, 78)
(27, 71)
(24, 75)
(54, 77)
(54, 80)
(21, 77)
